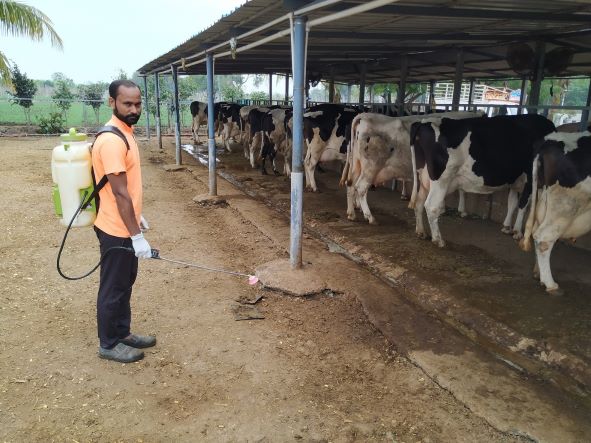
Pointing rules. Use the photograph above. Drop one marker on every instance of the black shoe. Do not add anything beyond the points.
(121, 353)
(139, 341)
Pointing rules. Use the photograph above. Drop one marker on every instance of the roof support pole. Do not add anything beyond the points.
(522, 95)
(402, 85)
(534, 96)
(331, 86)
(349, 100)
(297, 173)
(431, 95)
(270, 89)
(157, 92)
(362, 84)
(177, 114)
(585, 113)
(213, 187)
(286, 87)
(455, 103)
(146, 107)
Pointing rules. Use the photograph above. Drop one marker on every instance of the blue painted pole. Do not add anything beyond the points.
(297, 170)
(158, 128)
(213, 187)
(146, 107)
(177, 123)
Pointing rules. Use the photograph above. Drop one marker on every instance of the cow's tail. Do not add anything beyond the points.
(347, 164)
(525, 243)
(415, 185)
(414, 128)
(347, 176)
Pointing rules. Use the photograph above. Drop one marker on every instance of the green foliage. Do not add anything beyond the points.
(93, 94)
(62, 93)
(24, 88)
(191, 85)
(258, 95)
(52, 124)
(19, 19)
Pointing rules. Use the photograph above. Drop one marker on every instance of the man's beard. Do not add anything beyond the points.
(129, 119)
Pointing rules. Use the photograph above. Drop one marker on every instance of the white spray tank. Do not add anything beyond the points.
(71, 165)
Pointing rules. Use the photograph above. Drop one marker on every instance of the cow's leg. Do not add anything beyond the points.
(512, 201)
(226, 136)
(246, 145)
(351, 203)
(197, 125)
(193, 130)
(310, 162)
(263, 168)
(419, 206)
(274, 161)
(404, 193)
(462, 203)
(543, 252)
(435, 206)
(362, 186)
(518, 226)
(545, 236)
(253, 147)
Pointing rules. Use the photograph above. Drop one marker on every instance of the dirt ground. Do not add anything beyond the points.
(481, 269)
(313, 370)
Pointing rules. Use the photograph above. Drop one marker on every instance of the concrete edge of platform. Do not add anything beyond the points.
(525, 354)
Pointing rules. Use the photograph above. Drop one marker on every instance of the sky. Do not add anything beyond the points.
(102, 37)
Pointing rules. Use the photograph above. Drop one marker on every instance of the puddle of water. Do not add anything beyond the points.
(201, 153)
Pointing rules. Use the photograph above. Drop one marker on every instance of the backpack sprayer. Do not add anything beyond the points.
(75, 195)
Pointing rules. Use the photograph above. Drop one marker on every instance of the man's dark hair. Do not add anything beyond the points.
(114, 87)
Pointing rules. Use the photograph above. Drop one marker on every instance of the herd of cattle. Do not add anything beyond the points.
(439, 153)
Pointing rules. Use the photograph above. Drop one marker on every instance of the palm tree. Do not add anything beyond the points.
(20, 19)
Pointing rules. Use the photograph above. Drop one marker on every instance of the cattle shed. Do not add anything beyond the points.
(365, 42)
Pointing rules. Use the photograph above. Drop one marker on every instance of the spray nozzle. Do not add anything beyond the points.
(155, 254)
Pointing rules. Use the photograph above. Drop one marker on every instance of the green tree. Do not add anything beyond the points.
(230, 86)
(258, 96)
(24, 90)
(18, 19)
(62, 93)
(93, 95)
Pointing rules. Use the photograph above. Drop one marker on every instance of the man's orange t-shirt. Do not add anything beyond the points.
(111, 156)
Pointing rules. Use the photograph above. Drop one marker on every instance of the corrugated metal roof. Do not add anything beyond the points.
(429, 31)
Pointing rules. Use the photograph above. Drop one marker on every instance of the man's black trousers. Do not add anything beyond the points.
(118, 273)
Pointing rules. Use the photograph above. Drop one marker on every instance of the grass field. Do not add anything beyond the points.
(78, 115)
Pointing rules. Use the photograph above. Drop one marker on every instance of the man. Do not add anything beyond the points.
(118, 223)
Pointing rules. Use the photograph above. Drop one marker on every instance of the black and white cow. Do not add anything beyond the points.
(275, 130)
(562, 208)
(245, 127)
(379, 153)
(479, 155)
(199, 114)
(326, 127)
(229, 122)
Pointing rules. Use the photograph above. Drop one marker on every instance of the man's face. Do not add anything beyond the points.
(127, 106)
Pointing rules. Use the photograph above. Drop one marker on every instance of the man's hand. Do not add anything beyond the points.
(144, 226)
(141, 246)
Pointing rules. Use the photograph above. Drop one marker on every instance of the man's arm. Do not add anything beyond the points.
(124, 204)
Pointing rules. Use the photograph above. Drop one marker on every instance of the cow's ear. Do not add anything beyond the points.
(414, 129)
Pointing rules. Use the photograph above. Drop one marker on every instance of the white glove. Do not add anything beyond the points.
(144, 226)
(141, 246)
